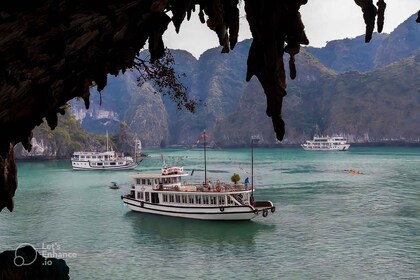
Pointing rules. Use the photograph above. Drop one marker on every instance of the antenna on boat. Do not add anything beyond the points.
(253, 139)
(205, 158)
(107, 144)
(135, 148)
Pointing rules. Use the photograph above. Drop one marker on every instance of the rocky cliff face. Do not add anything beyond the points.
(318, 95)
(353, 55)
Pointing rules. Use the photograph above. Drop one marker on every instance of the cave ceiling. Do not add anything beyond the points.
(52, 51)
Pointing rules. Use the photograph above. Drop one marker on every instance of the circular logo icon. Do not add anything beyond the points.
(19, 259)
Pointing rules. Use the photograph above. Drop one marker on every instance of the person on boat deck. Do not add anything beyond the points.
(246, 182)
(209, 184)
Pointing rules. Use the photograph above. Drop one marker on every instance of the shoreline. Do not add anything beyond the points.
(276, 146)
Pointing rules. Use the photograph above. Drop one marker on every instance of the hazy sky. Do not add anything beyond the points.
(324, 20)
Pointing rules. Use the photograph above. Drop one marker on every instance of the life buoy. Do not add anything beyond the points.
(222, 209)
(265, 213)
(273, 209)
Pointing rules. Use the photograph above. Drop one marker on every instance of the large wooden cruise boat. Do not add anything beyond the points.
(167, 193)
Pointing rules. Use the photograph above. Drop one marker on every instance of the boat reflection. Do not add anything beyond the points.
(148, 227)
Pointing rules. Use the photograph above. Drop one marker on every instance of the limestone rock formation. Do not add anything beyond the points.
(52, 51)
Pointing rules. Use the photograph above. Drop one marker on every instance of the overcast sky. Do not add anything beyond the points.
(324, 20)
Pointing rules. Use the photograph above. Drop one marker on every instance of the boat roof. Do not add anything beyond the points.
(95, 153)
(156, 175)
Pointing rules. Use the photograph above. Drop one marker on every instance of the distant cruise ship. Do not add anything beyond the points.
(336, 143)
(108, 160)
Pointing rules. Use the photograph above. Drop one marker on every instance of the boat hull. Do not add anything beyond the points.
(230, 213)
(104, 168)
(338, 148)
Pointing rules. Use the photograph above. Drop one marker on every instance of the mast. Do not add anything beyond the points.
(253, 139)
(107, 144)
(135, 149)
(205, 158)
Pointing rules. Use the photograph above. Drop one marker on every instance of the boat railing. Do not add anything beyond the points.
(219, 187)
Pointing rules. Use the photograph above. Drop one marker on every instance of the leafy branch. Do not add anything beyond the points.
(164, 77)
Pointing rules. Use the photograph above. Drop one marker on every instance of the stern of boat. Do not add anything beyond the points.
(264, 207)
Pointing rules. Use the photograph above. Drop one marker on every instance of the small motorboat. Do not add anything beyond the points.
(114, 185)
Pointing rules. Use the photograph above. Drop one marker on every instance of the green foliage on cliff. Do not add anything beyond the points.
(61, 142)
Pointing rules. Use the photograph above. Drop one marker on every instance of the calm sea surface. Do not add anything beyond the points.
(329, 224)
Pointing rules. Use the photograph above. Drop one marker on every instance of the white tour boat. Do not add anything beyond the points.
(108, 160)
(327, 143)
(167, 193)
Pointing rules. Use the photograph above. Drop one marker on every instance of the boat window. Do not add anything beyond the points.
(156, 181)
(165, 198)
(155, 197)
(149, 182)
(139, 195)
(205, 199)
(221, 200)
(191, 199)
(229, 200)
(100, 163)
(171, 198)
(198, 199)
(138, 181)
(147, 196)
(177, 198)
(143, 181)
(112, 163)
(120, 162)
(184, 199)
(212, 200)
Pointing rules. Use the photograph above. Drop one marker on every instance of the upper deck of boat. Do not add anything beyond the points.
(157, 175)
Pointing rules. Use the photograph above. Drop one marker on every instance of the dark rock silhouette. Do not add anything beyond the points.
(27, 264)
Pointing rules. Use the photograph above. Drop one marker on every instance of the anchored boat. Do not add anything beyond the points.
(108, 160)
(327, 143)
(167, 193)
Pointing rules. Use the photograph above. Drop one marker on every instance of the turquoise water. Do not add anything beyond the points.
(329, 224)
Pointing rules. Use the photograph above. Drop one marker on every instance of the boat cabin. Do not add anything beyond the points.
(168, 189)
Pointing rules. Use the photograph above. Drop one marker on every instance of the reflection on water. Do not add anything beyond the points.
(187, 231)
